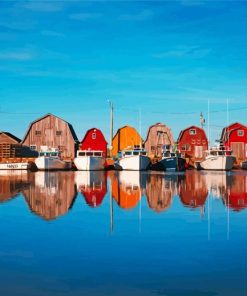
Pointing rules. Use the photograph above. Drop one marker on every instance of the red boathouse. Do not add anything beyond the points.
(192, 142)
(94, 140)
(234, 137)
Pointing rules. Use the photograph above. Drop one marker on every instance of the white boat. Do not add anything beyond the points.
(217, 159)
(15, 166)
(136, 160)
(89, 160)
(49, 159)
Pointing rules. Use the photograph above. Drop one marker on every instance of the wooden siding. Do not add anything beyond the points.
(50, 194)
(125, 138)
(158, 135)
(193, 146)
(6, 138)
(53, 132)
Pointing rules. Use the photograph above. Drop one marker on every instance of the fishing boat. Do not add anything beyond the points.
(49, 159)
(170, 161)
(89, 160)
(217, 159)
(15, 165)
(134, 159)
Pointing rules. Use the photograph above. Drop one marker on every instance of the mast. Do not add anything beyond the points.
(111, 126)
(140, 126)
(208, 124)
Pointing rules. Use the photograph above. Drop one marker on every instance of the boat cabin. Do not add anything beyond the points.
(218, 152)
(84, 153)
(134, 152)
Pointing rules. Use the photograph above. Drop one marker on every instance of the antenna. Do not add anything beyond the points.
(202, 120)
(111, 125)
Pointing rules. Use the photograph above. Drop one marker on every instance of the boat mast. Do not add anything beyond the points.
(208, 124)
(140, 126)
(111, 126)
(227, 119)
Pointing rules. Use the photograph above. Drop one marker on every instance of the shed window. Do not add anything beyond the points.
(192, 132)
(183, 148)
(58, 133)
(37, 133)
(93, 136)
(33, 147)
(240, 133)
(152, 148)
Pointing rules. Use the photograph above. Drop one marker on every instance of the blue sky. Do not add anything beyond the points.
(166, 58)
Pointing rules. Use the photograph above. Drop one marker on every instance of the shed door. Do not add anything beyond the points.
(238, 150)
(49, 137)
(198, 151)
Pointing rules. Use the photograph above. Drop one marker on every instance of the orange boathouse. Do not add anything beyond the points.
(126, 137)
(158, 135)
(192, 142)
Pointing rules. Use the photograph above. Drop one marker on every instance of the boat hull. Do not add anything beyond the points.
(49, 163)
(15, 166)
(135, 163)
(219, 163)
(89, 163)
(171, 164)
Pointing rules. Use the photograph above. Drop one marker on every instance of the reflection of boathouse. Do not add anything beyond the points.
(50, 194)
(93, 186)
(125, 138)
(160, 191)
(193, 190)
(12, 183)
(126, 188)
(236, 196)
(158, 135)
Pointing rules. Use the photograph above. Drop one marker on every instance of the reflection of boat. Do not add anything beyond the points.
(192, 190)
(93, 185)
(170, 161)
(49, 159)
(50, 194)
(89, 160)
(126, 188)
(160, 190)
(12, 183)
(135, 159)
(217, 159)
(15, 166)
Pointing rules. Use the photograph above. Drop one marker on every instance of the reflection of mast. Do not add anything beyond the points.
(228, 213)
(209, 190)
(140, 209)
(111, 207)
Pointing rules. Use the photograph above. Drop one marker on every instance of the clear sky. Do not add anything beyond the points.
(166, 58)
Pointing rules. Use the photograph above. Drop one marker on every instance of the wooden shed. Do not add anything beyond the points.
(126, 137)
(94, 140)
(8, 138)
(53, 132)
(158, 135)
(234, 137)
(192, 142)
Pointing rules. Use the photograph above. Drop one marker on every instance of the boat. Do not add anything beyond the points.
(170, 161)
(15, 165)
(243, 165)
(133, 159)
(49, 159)
(217, 159)
(89, 160)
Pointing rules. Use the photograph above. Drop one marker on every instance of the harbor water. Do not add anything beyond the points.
(123, 233)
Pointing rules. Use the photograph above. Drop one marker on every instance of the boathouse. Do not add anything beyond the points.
(53, 132)
(94, 140)
(126, 137)
(234, 137)
(8, 138)
(158, 135)
(192, 142)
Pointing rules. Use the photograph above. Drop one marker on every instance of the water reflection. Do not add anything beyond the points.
(52, 194)
(12, 183)
(92, 185)
(160, 190)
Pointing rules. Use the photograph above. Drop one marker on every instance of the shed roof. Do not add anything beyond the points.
(192, 126)
(91, 129)
(11, 136)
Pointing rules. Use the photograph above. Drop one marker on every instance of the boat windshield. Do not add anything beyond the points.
(90, 153)
(48, 154)
(98, 153)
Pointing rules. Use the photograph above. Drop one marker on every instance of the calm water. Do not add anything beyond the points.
(126, 233)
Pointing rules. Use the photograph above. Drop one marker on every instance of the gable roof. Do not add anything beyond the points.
(226, 131)
(91, 129)
(192, 126)
(125, 126)
(50, 114)
(11, 136)
(161, 125)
